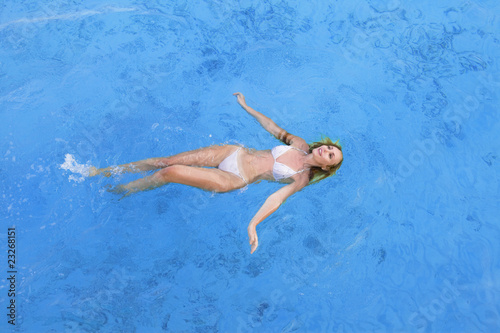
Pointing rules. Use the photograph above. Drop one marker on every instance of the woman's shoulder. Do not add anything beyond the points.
(299, 143)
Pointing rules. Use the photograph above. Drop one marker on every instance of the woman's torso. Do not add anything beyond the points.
(258, 165)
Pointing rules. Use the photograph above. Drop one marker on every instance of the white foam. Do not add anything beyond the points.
(72, 165)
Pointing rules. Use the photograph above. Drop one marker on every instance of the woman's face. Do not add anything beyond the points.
(327, 155)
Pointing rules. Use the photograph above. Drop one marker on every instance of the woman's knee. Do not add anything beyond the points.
(222, 188)
(167, 173)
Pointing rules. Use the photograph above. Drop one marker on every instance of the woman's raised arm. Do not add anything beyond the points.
(270, 126)
(272, 203)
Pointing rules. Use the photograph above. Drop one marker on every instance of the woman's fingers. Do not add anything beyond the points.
(254, 247)
(253, 240)
(240, 98)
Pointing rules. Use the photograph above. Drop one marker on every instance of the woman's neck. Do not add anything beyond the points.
(310, 162)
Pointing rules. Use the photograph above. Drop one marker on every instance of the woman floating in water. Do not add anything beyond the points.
(298, 164)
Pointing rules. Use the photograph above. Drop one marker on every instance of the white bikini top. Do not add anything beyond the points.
(280, 170)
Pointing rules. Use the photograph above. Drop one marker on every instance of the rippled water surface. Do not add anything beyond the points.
(403, 238)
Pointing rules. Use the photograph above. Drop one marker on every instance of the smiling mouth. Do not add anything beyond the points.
(320, 151)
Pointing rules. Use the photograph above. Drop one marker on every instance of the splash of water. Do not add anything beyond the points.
(80, 170)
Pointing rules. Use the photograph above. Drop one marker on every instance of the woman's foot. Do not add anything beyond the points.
(93, 171)
(117, 189)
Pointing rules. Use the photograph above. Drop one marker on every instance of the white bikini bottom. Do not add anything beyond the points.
(230, 164)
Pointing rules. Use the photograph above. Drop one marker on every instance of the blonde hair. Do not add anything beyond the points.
(316, 173)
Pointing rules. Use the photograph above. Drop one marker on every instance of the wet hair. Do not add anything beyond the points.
(316, 173)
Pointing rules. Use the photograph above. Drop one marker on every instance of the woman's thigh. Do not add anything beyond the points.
(208, 179)
(210, 156)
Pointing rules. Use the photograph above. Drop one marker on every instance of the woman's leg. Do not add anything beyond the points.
(209, 157)
(139, 166)
(208, 179)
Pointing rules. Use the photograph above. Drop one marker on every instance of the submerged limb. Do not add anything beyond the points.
(143, 184)
(207, 179)
(206, 157)
(272, 203)
(139, 166)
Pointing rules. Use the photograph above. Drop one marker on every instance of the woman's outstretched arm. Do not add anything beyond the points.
(272, 203)
(270, 126)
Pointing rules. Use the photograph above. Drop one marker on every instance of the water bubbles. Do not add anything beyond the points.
(80, 170)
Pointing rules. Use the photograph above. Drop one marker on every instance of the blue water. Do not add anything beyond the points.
(403, 239)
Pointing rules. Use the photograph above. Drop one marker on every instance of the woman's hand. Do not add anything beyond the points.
(241, 99)
(252, 238)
